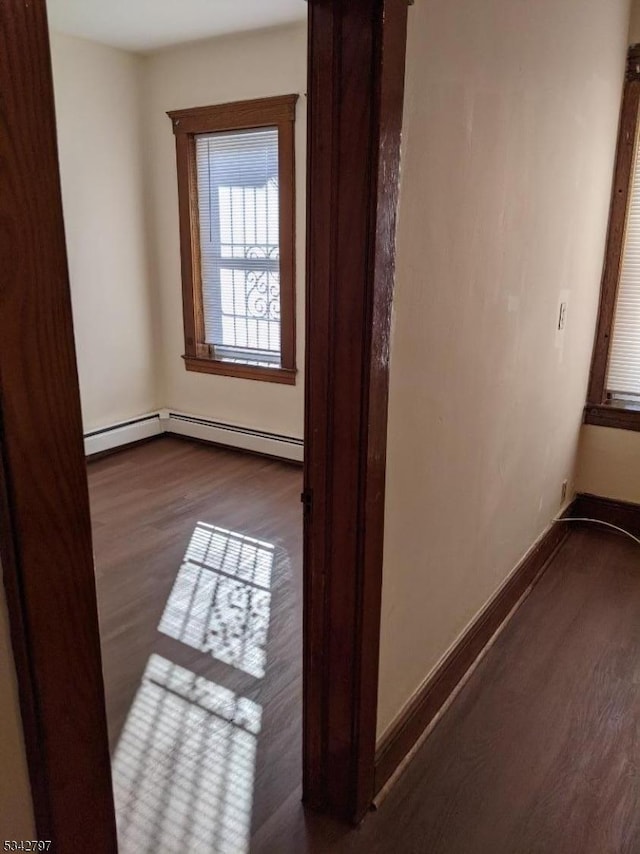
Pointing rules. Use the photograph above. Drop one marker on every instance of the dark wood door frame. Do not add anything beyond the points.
(45, 527)
(356, 78)
(356, 86)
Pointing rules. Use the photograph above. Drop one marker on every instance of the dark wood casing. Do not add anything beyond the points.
(356, 85)
(45, 528)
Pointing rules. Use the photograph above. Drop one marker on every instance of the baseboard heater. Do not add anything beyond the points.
(122, 433)
(194, 427)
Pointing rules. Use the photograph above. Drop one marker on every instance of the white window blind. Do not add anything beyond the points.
(623, 372)
(239, 213)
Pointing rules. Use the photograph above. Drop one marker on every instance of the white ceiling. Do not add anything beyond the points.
(144, 25)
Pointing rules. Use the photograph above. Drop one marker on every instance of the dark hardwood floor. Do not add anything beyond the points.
(540, 752)
(199, 577)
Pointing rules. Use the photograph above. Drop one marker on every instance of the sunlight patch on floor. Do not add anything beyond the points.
(183, 771)
(220, 602)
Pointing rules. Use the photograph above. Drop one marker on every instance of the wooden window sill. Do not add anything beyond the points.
(240, 371)
(620, 417)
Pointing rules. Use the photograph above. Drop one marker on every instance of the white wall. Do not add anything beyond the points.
(510, 127)
(16, 818)
(609, 463)
(251, 65)
(119, 188)
(97, 91)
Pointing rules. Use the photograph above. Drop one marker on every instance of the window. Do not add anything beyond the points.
(236, 191)
(614, 388)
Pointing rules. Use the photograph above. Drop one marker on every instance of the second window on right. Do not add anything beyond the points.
(614, 388)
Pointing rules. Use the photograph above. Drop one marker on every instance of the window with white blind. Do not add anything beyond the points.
(238, 207)
(614, 387)
(236, 189)
(623, 370)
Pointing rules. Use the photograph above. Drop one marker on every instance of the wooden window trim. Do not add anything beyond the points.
(240, 115)
(237, 369)
(618, 417)
(599, 410)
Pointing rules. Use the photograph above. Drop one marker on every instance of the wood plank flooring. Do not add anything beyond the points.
(539, 753)
(198, 561)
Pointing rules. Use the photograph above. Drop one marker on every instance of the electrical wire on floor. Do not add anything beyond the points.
(598, 522)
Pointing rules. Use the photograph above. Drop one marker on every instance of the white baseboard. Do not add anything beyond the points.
(107, 438)
(194, 427)
(244, 438)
